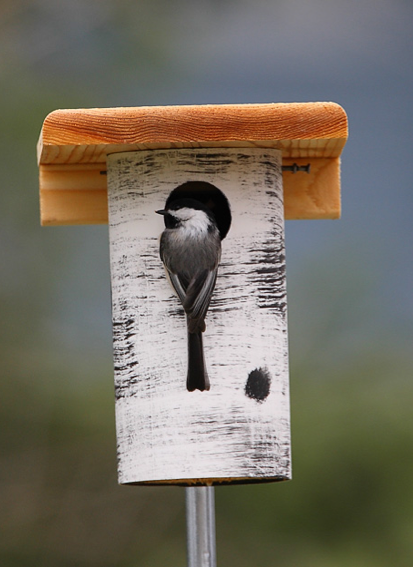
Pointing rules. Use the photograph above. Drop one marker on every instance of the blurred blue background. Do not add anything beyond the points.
(349, 282)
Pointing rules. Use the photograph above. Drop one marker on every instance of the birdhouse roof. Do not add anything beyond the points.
(74, 143)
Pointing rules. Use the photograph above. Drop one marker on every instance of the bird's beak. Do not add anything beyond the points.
(161, 212)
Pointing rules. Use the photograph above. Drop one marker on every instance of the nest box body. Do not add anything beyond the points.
(232, 158)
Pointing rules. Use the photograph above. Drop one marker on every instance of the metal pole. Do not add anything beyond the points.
(200, 526)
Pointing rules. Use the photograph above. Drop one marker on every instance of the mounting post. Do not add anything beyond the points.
(200, 526)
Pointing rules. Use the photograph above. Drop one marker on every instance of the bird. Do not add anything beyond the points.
(190, 249)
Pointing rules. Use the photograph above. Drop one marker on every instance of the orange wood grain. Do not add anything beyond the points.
(316, 129)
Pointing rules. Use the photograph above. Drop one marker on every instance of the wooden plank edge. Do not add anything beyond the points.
(76, 195)
(64, 154)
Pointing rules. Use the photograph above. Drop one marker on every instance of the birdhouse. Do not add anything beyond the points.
(249, 167)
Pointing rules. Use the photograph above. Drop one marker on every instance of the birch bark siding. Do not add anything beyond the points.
(240, 429)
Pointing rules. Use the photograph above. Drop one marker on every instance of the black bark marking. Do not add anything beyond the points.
(258, 384)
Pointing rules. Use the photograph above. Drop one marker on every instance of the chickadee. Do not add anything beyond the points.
(190, 249)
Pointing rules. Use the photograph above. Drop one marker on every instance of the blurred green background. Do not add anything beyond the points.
(349, 281)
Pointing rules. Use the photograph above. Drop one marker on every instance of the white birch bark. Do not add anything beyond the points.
(232, 432)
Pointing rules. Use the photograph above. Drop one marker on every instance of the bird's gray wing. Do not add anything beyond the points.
(177, 285)
(198, 294)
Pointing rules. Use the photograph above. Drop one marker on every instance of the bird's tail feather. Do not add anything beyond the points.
(197, 378)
